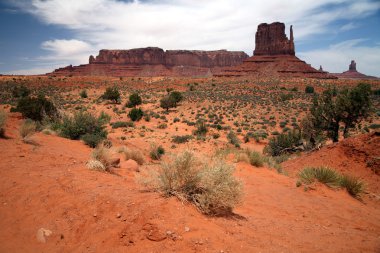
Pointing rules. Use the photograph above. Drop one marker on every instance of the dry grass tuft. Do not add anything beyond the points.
(209, 185)
(96, 165)
(132, 154)
(101, 159)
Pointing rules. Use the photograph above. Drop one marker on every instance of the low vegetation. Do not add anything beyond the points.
(332, 178)
(209, 185)
(3, 121)
(36, 108)
(132, 154)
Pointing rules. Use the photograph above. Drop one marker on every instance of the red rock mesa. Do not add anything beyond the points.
(352, 73)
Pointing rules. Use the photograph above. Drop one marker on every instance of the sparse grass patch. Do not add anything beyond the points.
(156, 152)
(27, 129)
(333, 179)
(100, 159)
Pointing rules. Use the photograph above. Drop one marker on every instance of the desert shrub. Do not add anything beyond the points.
(376, 92)
(156, 152)
(92, 140)
(176, 97)
(348, 108)
(215, 135)
(167, 102)
(119, 124)
(353, 186)
(3, 121)
(135, 114)
(80, 124)
(322, 174)
(201, 128)
(132, 154)
(162, 126)
(28, 128)
(83, 94)
(20, 91)
(284, 143)
(255, 158)
(309, 89)
(36, 108)
(134, 100)
(104, 117)
(233, 139)
(181, 138)
(111, 93)
(210, 186)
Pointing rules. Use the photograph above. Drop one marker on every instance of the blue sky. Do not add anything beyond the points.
(41, 35)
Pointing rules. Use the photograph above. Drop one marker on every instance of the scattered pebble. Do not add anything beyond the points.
(187, 229)
(42, 233)
(118, 215)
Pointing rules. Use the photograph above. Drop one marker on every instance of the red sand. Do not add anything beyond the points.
(48, 186)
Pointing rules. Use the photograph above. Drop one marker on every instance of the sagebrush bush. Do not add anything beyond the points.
(83, 94)
(3, 121)
(36, 108)
(112, 93)
(255, 158)
(80, 124)
(135, 114)
(309, 89)
(134, 100)
(119, 124)
(233, 139)
(210, 186)
(156, 152)
(181, 138)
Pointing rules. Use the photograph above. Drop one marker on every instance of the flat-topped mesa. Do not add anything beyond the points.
(272, 40)
(154, 61)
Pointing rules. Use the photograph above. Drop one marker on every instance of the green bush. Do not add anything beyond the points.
(233, 139)
(167, 102)
(83, 94)
(134, 100)
(92, 140)
(284, 143)
(176, 97)
(181, 139)
(36, 108)
(112, 93)
(309, 89)
(80, 124)
(201, 128)
(20, 91)
(119, 124)
(156, 152)
(135, 114)
(255, 158)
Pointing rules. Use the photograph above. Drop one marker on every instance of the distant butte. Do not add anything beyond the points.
(274, 56)
(154, 61)
(352, 73)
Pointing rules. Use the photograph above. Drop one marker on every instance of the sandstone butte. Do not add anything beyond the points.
(274, 56)
(352, 73)
(154, 61)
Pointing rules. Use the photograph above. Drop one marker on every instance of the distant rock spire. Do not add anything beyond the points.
(352, 66)
(320, 68)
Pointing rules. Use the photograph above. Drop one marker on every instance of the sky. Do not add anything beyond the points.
(39, 36)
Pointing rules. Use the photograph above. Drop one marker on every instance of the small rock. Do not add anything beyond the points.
(42, 233)
(187, 229)
(95, 215)
(169, 232)
(118, 215)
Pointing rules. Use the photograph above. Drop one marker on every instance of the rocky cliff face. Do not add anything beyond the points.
(272, 40)
(154, 61)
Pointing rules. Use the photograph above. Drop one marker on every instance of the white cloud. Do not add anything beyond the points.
(183, 24)
(337, 57)
(348, 27)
